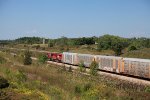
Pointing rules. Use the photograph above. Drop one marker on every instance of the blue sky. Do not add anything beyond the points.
(74, 18)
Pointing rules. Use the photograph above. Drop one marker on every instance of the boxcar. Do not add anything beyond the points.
(109, 63)
(70, 58)
(136, 67)
(85, 58)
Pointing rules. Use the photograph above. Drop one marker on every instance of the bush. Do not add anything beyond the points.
(77, 89)
(86, 87)
(21, 77)
(82, 88)
(93, 68)
(82, 66)
(27, 58)
(3, 83)
(43, 58)
(131, 48)
(9, 74)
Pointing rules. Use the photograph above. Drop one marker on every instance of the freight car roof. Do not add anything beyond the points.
(86, 55)
(137, 59)
(109, 56)
(69, 53)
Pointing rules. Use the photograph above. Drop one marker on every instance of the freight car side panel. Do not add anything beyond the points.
(109, 63)
(137, 67)
(70, 58)
(143, 69)
(85, 58)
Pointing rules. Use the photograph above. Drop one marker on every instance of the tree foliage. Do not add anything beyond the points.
(131, 48)
(140, 43)
(115, 43)
(105, 42)
(84, 40)
(29, 40)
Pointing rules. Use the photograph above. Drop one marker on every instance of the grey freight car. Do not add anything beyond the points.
(85, 58)
(70, 58)
(136, 67)
(109, 63)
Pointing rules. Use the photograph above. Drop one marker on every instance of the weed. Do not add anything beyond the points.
(147, 89)
(86, 87)
(77, 89)
(42, 59)
(93, 68)
(70, 69)
(82, 66)
(21, 77)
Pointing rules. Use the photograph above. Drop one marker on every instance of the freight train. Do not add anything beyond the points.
(127, 66)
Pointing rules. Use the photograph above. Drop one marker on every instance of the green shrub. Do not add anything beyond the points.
(86, 87)
(93, 68)
(43, 58)
(82, 89)
(9, 74)
(21, 77)
(27, 58)
(77, 89)
(3, 83)
(82, 66)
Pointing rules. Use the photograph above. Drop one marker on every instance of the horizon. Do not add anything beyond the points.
(70, 37)
(73, 19)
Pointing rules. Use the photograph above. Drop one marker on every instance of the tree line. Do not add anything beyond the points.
(105, 42)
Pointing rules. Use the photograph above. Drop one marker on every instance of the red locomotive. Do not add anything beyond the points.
(55, 56)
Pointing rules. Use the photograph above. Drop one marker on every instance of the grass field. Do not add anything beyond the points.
(51, 82)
